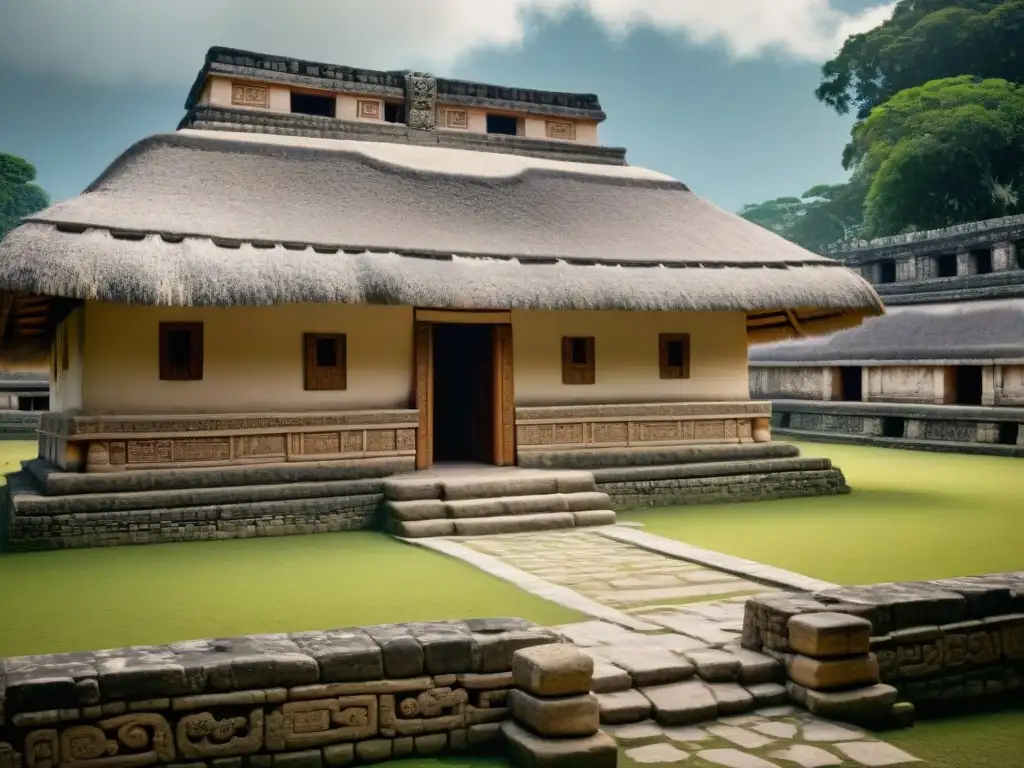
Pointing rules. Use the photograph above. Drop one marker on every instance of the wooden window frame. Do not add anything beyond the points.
(665, 370)
(578, 373)
(325, 378)
(195, 352)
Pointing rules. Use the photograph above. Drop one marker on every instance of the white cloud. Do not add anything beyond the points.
(163, 41)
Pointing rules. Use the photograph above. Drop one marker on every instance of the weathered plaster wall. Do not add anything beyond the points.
(906, 384)
(66, 385)
(253, 359)
(803, 383)
(218, 94)
(626, 357)
(1008, 381)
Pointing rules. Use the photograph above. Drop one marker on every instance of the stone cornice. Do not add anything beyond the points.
(933, 241)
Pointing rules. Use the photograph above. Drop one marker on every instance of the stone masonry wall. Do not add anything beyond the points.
(664, 492)
(304, 700)
(928, 643)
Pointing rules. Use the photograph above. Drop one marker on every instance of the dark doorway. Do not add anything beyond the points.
(463, 393)
(967, 381)
(1007, 433)
(945, 265)
(311, 104)
(502, 124)
(887, 272)
(893, 426)
(394, 113)
(981, 258)
(1018, 247)
(850, 388)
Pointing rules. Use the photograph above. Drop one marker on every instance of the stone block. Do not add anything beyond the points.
(431, 743)
(623, 707)
(767, 694)
(561, 717)
(593, 517)
(715, 665)
(421, 529)
(401, 654)
(861, 705)
(530, 751)
(731, 697)
(756, 667)
(609, 679)
(343, 655)
(833, 674)
(307, 758)
(493, 651)
(482, 734)
(373, 750)
(828, 634)
(650, 667)
(447, 647)
(556, 669)
(682, 703)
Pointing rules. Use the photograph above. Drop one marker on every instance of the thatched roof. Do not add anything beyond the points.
(215, 218)
(965, 330)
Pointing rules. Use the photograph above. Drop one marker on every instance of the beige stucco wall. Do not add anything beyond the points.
(626, 356)
(530, 126)
(797, 383)
(218, 94)
(253, 359)
(906, 384)
(66, 385)
(1009, 385)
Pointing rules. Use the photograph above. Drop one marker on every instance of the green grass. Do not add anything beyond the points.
(989, 740)
(912, 515)
(89, 599)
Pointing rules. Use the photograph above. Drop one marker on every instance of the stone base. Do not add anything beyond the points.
(43, 508)
(987, 431)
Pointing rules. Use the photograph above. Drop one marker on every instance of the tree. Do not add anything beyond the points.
(823, 216)
(946, 152)
(925, 40)
(19, 197)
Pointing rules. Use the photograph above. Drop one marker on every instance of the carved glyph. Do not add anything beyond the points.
(128, 741)
(202, 735)
(421, 101)
(305, 724)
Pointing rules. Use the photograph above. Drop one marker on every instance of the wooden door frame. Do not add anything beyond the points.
(503, 405)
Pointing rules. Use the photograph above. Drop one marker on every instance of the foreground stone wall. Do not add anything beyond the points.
(853, 652)
(302, 700)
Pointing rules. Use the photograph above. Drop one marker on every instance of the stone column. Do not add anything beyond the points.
(906, 269)
(761, 429)
(963, 264)
(833, 673)
(555, 718)
(925, 268)
(1003, 256)
(988, 390)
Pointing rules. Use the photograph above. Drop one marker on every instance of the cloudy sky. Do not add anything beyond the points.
(718, 93)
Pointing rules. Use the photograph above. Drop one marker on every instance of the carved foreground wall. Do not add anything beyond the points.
(852, 652)
(301, 700)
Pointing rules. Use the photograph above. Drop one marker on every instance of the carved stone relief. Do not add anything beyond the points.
(420, 101)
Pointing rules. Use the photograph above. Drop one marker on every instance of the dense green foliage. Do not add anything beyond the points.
(925, 40)
(18, 195)
(940, 133)
(943, 153)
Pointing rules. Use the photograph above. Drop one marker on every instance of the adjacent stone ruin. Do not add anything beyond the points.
(306, 700)
(864, 654)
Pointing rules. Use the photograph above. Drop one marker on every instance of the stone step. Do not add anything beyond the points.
(488, 526)
(604, 458)
(435, 509)
(709, 469)
(486, 484)
(28, 500)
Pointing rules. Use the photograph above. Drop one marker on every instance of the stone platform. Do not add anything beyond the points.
(43, 507)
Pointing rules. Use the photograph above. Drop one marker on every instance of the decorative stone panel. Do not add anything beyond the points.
(309, 698)
(638, 424)
(119, 443)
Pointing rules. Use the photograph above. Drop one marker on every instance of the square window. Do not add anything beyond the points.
(325, 355)
(181, 351)
(674, 355)
(578, 360)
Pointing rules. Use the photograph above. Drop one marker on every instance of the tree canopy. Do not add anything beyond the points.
(925, 40)
(19, 197)
(823, 216)
(948, 151)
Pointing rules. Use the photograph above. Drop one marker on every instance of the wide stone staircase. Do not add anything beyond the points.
(478, 502)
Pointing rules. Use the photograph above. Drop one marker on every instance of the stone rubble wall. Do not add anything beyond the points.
(19, 425)
(928, 643)
(303, 700)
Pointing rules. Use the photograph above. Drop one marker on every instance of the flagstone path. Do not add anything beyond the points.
(674, 685)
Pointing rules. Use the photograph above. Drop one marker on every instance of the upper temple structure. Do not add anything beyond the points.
(330, 277)
(943, 369)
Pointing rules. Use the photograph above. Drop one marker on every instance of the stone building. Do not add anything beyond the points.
(943, 369)
(331, 275)
(24, 396)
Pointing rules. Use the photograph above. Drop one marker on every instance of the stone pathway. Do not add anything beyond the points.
(772, 737)
(674, 684)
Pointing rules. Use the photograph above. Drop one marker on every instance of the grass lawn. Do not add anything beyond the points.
(912, 515)
(89, 599)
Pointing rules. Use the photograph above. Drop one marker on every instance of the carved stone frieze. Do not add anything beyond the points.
(421, 101)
